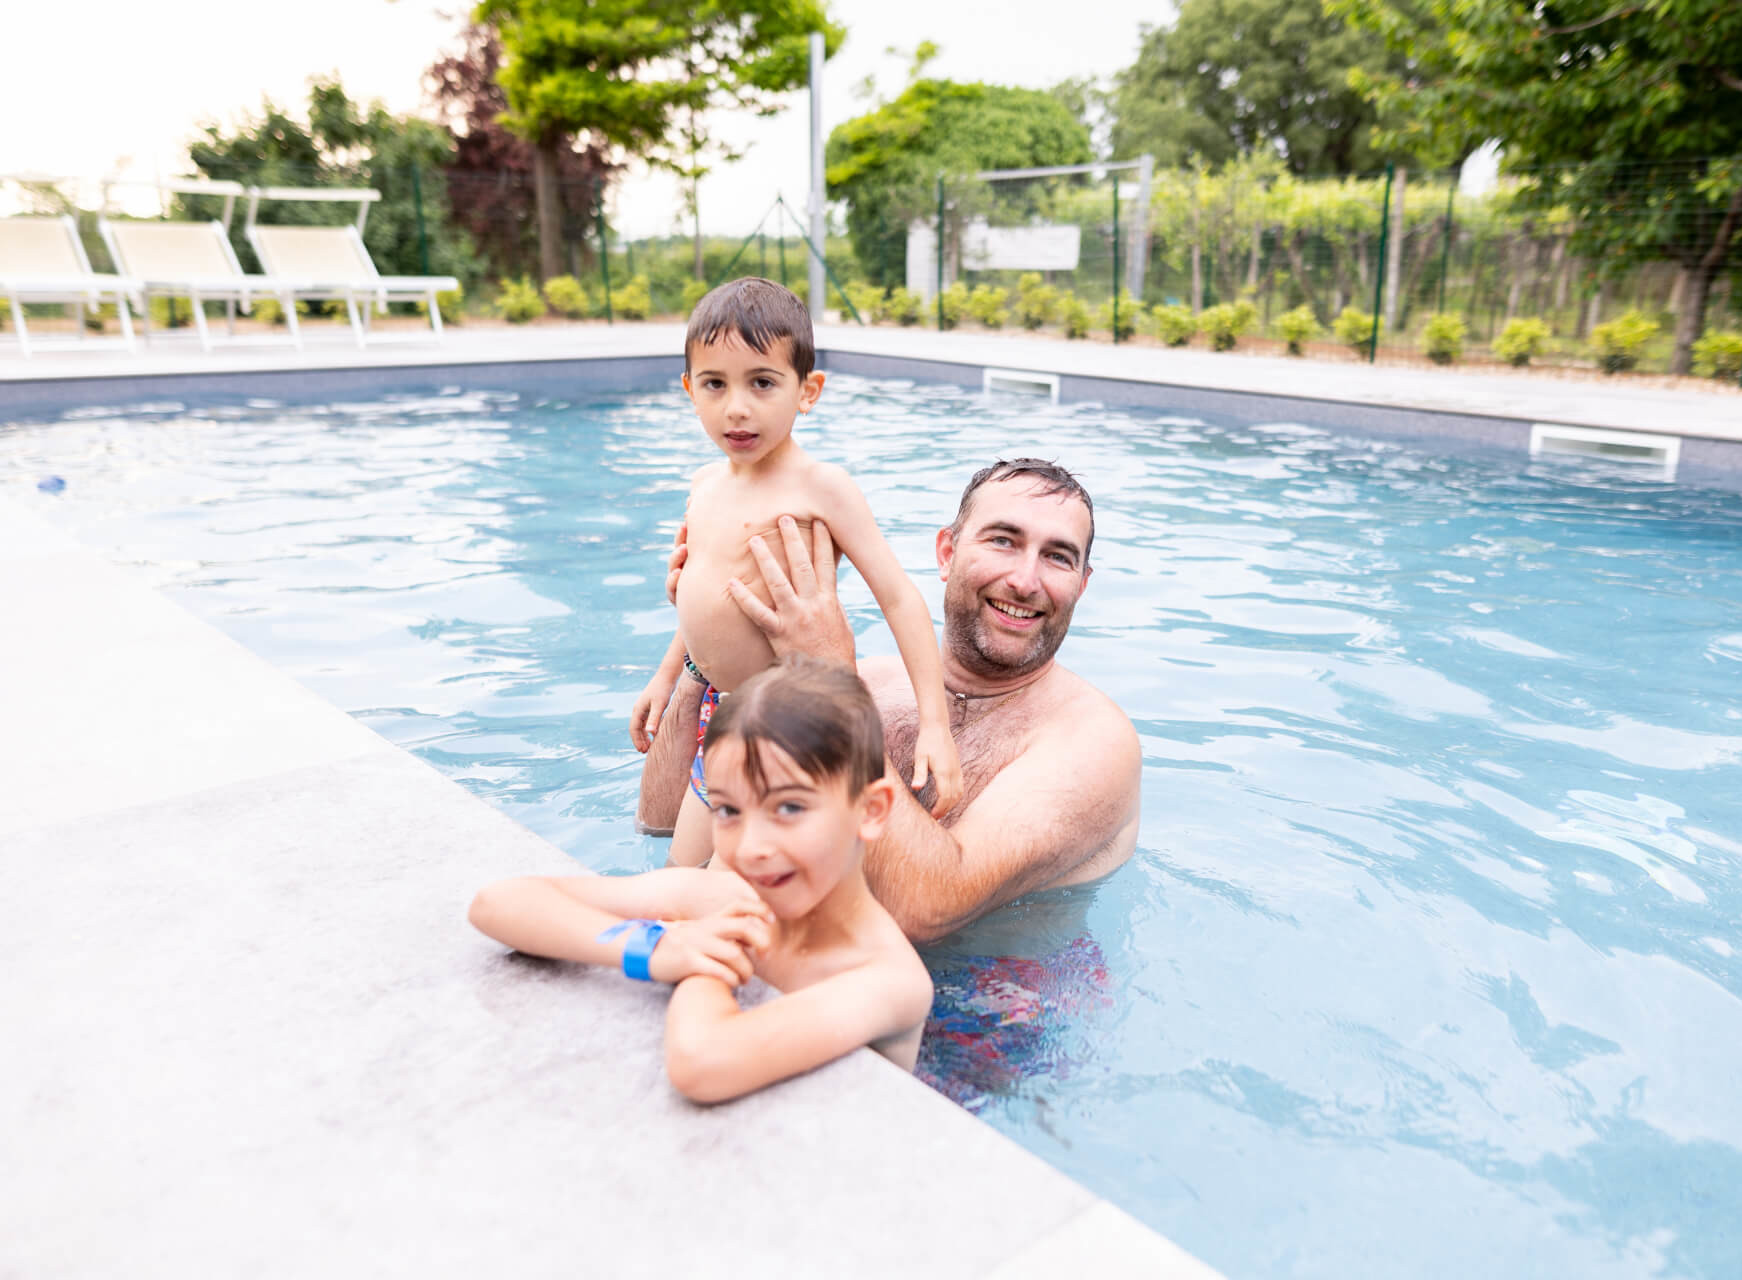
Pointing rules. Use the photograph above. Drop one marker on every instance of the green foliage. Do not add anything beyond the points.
(1130, 313)
(986, 304)
(568, 296)
(450, 304)
(271, 310)
(1619, 342)
(885, 163)
(1174, 324)
(1227, 321)
(1443, 337)
(633, 301)
(518, 300)
(1719, 354)
(903, 307)
(1231, 77)
(1075, 316)
(1354, 329)
(170, 313)
(1036, 301)
(1297, 327)
(693, 292)
(953, 305)
(867, 300)
(1522, 338)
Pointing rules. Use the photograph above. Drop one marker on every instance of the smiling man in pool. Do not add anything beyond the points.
(1051, 765)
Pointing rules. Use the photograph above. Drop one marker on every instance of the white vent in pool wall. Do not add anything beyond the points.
(1635, 448)
(1023, 382)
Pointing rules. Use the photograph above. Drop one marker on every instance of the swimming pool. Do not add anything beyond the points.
(1427, 962)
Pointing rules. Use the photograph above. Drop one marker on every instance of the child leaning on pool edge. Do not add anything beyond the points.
(795, 767)
(748, 357)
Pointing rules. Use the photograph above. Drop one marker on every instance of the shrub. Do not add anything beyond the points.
(633, 301)
(568, 296)
(1296, 327)
(955, 306)
(1174, 324)
(1226, 322)
(519, 300)
(1074, 315)
(170, 313)
(1130, 312)
(1036, 301)
(448, 305)
(986, 304)
(1719, 354)
(866, 299)
(693, 292)
(1619, 342)
(1354, 329)
(902, 307)
(1522, 338)
(271, 310)
(1444, 336)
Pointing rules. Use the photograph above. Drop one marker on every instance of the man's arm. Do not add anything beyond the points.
(665, 773)
(1070, 800)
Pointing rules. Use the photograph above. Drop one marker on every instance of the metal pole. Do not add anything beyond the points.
(1446, 250)
(604, 249)
(1379, 281)
(817, 298)
(940, 299)
(417, 201)
(1115, 259)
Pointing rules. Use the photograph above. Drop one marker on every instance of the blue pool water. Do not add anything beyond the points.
(1427, 963)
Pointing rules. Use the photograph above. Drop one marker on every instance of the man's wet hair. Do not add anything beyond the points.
(759, 312)
(820, 714)
(1049, 477)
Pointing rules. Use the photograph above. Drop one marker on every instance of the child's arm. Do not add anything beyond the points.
(715, 1051)
(856, 533)
(716, 920)
(650, 706)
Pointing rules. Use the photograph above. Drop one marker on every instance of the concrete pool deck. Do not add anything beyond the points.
(249, 1031)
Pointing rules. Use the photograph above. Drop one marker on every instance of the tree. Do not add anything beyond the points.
(1235, 77)
(490, 176)
(1629, 116)
(886, 162)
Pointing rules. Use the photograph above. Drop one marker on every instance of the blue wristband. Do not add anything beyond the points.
(643, 937)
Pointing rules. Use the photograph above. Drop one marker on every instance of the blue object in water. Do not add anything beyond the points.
(51, 484)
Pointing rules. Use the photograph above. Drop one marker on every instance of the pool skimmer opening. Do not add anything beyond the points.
(1022, 382)
(1631, 448)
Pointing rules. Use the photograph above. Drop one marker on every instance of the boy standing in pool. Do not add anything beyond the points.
(748, 369)
(795, 769)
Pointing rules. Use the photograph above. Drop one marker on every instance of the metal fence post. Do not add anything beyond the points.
(1115, 259)
(417, 204)
(1379, 276)
(940, 253)
(604, 249)
(1446, 250)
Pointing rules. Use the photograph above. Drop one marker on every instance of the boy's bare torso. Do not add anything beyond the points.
(725, 510)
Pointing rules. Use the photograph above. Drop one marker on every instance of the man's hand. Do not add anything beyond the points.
(806, 617)
(722, 946)
(644, 717)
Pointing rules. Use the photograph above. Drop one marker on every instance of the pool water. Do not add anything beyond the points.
(1427, 962)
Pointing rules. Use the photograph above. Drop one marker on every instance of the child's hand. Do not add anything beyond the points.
(934, 757)
(722, 946)
(649, 707)
(718, 892)
(680, 552)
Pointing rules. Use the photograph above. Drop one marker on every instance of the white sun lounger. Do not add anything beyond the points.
(194, 260)
(42, 260)
(336, 260)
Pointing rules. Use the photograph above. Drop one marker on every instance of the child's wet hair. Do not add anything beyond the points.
(820, 714)
(759, 312)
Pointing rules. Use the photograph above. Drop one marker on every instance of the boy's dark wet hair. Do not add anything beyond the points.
(1049, 476)
(820, 714)
(759, 312)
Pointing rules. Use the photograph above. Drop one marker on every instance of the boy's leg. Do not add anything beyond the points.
(693, 841)
(665, 772)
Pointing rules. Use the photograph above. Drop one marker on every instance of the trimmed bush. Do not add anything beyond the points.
(271, 310)
(633, 301)
(1074, 314)
(1036, 302)
(1443, 337)
(693, 292)
(955, 305)
(449, 304)
(1354, 329)
(1719, 354)
(1619, 342)
(568, 296)
(986, 304)
(1296, 327)
(519, 301)
(170, 313)
(1130, 312)
(1174, 324)
(867, 300)
(1226, 322)
(902, 307)
(1522, 338)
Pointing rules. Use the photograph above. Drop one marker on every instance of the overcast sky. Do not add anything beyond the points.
(94, 87)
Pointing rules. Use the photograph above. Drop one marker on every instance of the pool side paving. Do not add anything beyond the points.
(249, 1032)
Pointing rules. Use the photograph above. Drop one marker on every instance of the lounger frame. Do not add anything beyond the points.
(78, 286)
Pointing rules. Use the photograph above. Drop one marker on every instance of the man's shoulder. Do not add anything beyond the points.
(1079, 708)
